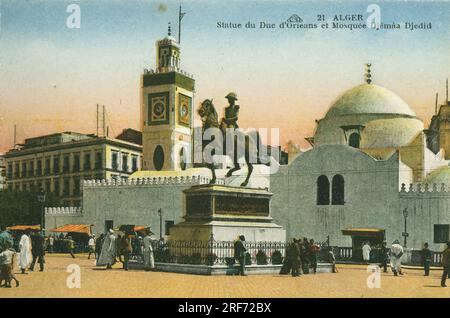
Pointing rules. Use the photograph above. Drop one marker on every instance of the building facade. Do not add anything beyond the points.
(2, 173)
(59, 163)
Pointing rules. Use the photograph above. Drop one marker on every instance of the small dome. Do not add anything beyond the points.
(369, 99)
(439, 176)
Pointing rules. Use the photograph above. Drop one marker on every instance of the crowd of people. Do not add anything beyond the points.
(302, 255)
(108, 249)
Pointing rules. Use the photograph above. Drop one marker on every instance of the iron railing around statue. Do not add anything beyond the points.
(345, 255)
(217, 252)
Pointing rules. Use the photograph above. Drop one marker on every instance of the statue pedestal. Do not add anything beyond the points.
(224, 213)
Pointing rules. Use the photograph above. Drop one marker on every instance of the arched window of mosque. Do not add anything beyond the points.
(354, 140)
(323, 190)
(338, 191)
(182, 159)
(158, 158)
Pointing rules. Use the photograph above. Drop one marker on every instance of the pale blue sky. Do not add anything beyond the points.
(284, 78)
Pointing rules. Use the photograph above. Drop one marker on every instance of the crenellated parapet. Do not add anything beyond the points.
(64, 210)
(419, 188)
(159, 181)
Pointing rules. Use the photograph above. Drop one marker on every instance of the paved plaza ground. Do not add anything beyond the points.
(97, 282)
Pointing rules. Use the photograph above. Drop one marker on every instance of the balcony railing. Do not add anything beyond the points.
(345, 254)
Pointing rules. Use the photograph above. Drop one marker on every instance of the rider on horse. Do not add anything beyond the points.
(231, 113)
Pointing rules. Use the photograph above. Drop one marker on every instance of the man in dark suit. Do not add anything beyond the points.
(295, 258)
(239, 254)
(37, 250)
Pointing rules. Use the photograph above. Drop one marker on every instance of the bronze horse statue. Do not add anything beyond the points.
(209, 117)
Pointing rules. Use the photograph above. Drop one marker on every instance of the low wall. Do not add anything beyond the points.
(58, 216)
(223, 269)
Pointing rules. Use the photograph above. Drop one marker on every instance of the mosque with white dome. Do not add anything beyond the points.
(370, 172)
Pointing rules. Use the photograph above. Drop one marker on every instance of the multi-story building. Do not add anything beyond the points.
(59, 162)
(2, 173)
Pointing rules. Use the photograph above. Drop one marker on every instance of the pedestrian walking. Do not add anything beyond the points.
(287, 262)
(239, 254)
(91, 245)
(51, 243)
(366, 249)
(445, 264)
(295, 258)
(4, 236)
(332, 260)
(108, 253)
(71, 246)
(305, 255)
(25, 251)
(426, 259)
(98, 245)
(7, 255)
(384, 256)
(125, 250)
(37, 250)
(313, 251)
(396, 258)
(149, 260)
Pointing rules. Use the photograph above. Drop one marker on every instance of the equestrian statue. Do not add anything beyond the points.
(229, 124)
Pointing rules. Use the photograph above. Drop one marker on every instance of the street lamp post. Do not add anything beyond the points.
(41, 200)
(405, 234)
(160, 223)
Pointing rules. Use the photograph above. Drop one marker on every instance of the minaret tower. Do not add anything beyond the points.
(167, 95)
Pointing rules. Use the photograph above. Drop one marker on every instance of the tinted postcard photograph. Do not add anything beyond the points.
(210, 150)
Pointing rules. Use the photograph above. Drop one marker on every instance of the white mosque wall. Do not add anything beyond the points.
(405, 174)
(137, 201)
(58, 216)
(373, 198)
(428, 205)
(371, 191)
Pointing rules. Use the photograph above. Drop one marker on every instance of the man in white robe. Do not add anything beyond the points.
(396, 258)
(149, 261)
(108, 254)
(25, 256)
(366, 252)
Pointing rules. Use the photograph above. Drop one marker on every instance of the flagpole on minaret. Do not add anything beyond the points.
(180, 17)
(446, 91)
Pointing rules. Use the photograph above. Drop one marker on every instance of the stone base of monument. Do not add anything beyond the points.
(223, 213)
(222, 269)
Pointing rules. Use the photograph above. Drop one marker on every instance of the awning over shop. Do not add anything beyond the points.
(367, 231)
(24, 228)
(139, 228)
(74, 228)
